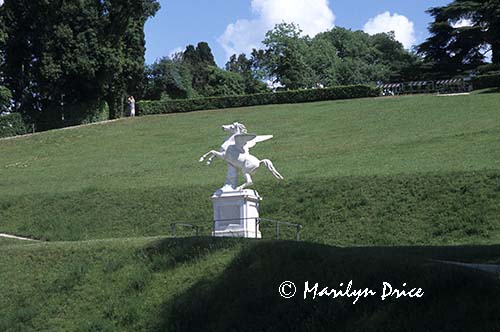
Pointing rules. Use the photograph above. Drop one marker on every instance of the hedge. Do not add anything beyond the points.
(12, 125)
(147, 107)
(486, 81)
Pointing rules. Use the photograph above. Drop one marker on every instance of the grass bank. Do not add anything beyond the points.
(151, 284)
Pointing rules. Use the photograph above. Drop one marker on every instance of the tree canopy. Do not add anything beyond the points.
(335, 57)
(453, 47)
(63, 59)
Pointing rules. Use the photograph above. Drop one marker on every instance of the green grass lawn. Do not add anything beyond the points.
(380, 171)
(206, 284)
(9, 242)
(379, 136)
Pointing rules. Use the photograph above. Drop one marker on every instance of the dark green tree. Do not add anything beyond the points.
(63, 59)
(123, 54)
(169, 78)
(223, 83)
(207, 79)
(451, 49)
(5, 98)
(199, 59)
(246, 68)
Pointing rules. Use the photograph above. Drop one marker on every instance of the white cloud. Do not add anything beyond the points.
(313, 17)
(488, 54)
(462, 23)
(1, 2)
(242, 36)
(403, 28)
(174, 51)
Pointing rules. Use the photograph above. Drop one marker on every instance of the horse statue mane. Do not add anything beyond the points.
(235, 150)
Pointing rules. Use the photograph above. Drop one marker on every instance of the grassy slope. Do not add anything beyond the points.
(9, 242)
(409, 170)
(210, 284)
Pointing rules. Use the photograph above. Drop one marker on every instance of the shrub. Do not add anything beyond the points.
(491, 80)
(11, 125)
(286, 97)
(5, 97)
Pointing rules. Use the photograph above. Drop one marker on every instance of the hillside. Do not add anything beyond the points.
(207, 284)
(383, 171)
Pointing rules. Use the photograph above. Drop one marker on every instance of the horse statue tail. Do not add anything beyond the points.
(271, 168)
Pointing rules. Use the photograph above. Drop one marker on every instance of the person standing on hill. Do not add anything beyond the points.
(131, 104)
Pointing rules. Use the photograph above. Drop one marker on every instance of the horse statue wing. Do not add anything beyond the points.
(247, 141)
(258, 139)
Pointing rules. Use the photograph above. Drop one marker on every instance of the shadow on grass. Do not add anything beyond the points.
(245, 297)
(167, 253)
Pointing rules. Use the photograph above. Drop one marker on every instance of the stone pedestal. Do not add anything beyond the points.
(236, 214)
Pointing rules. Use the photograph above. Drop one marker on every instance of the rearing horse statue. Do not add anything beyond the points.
(235, 151)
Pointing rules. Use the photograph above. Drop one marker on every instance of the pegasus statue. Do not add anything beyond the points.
(236, 152)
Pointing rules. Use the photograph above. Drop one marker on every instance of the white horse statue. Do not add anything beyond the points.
(235, 151)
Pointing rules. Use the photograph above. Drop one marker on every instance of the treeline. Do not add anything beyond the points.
(288, 61)
(462, 36)
(194, 74)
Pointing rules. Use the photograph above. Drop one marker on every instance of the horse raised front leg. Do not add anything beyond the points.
(213, 154)
(209, 161)
(248, 182)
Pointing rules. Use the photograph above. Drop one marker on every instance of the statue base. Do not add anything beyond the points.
(236, 213)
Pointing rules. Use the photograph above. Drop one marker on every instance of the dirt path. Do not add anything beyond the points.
(8, 236)
(65, 128)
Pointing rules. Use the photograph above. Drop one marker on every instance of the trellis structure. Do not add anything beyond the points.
(455, 85)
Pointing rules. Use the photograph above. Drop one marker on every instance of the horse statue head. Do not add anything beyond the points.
(235, 128)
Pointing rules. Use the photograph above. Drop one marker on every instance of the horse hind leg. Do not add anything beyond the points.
(271, 168)
(248, 182)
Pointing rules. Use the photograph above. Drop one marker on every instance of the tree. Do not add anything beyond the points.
(246, 68)
(357, 59)
(284, 58)
(452, 48)
(391, 53)
(169, 78)
(199, 59)
(123, 54)
(63, 59)
(207, 79)
(5, 98)
(323, 59)
(223, 83)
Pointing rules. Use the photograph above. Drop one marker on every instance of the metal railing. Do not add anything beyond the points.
(173, 227)
(298, 227)
(197, 226)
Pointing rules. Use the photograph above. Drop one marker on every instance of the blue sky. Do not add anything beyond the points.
(239, 25)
